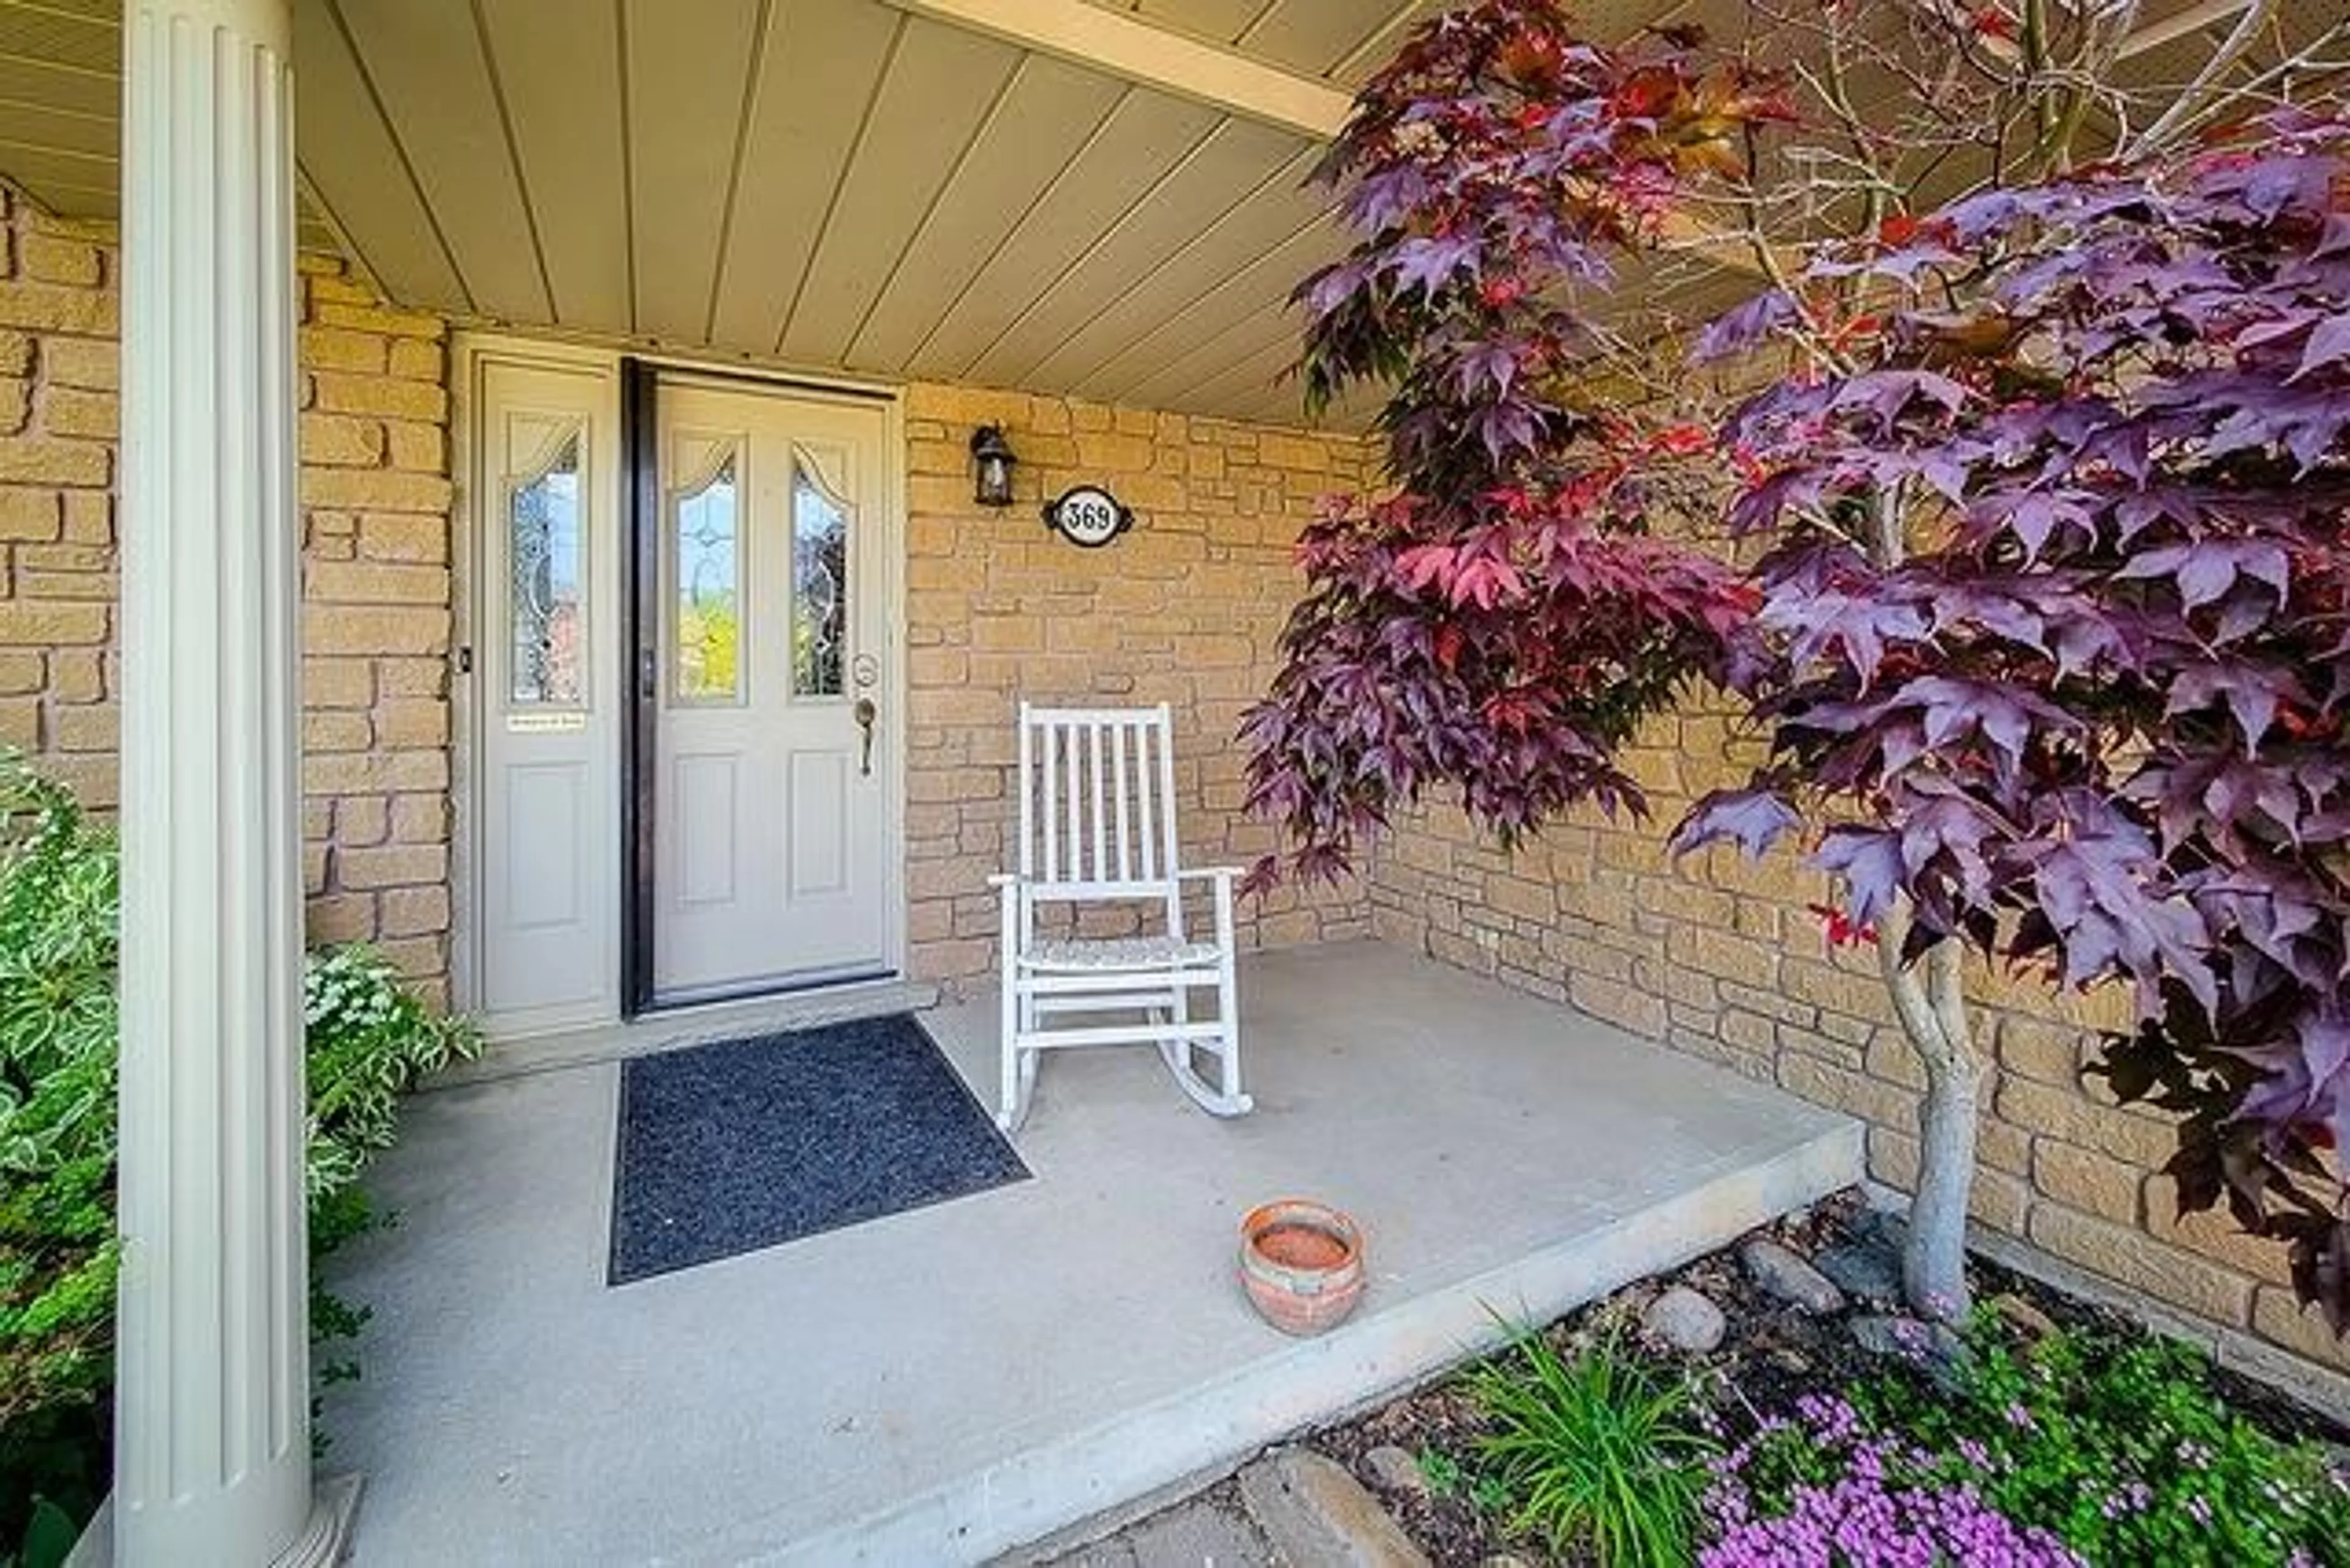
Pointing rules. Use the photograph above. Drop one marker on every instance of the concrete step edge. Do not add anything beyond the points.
(1207, 1431)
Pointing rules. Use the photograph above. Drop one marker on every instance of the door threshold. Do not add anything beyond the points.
(698, 1023)
(804, 984)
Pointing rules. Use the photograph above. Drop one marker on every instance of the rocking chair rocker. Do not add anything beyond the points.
(1098, 827)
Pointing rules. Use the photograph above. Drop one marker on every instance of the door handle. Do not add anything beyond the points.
(865, 713)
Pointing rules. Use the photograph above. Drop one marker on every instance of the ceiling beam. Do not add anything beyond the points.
(2154, 35)
(1134, 50)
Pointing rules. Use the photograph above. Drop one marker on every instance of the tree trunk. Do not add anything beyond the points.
(1929, 1000)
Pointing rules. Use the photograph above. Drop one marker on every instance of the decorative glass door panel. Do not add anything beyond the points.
(768, 806)
(705, 564)
(544, 576)
(819, 581)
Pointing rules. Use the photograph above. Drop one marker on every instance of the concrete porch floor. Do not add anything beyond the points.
(945, 1385)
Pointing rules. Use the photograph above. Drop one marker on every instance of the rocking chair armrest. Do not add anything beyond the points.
(1006, 879)
(1207, 873)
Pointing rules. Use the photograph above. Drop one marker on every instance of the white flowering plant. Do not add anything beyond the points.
(368, 1036)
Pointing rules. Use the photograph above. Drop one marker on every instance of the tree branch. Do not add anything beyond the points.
(2185, 107)
(1930, 1001)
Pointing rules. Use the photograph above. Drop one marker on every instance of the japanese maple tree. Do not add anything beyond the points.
(2044, 609)
(1503, 622)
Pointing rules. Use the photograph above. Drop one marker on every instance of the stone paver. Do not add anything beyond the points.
(1209, 1529)
(1315, 1513)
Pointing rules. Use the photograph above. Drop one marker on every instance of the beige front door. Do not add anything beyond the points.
(767, 798)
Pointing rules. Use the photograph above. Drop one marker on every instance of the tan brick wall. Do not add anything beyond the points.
(376, 505)
(1184, 609)
(1725, 960)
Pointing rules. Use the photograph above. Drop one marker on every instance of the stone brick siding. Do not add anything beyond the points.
(1183, 610)
(1725, 960)
(376, 509)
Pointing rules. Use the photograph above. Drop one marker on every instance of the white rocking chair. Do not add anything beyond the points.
(1097, 826)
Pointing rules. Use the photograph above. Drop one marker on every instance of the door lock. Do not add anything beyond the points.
(865, 713)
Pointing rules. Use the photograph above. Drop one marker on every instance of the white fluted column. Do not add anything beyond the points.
(212, 1426)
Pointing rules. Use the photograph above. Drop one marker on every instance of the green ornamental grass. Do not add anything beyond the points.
(1598, 1454)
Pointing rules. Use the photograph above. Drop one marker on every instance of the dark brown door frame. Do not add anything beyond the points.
(640, 594)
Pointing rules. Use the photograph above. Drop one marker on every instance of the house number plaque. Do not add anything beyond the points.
(1088, 515)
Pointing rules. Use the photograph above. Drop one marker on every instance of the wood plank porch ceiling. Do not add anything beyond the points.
(893, 188)
(838, 185)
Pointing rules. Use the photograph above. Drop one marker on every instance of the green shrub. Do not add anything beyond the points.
(59, 888)
(50, 1534)
(1600, 1454)
(367, 1038)
(2120, 1448)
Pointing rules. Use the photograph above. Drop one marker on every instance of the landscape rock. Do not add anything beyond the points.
(1396, 1469)
(1886, 1228)
(1681, 1319)
(1866, 1270)
(2022, 1316)
(1936, 1346)
(1783, 1271)
(1314, 1512)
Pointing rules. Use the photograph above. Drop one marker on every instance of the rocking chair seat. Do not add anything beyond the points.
(1110, 954)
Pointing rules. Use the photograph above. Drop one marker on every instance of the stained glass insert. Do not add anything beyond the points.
(709, 591)
(543, 562)
(819, 584)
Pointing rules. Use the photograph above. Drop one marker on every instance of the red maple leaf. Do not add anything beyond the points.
(1448, 645)
(1840, 928)
(1990, 22)
(1684, 440)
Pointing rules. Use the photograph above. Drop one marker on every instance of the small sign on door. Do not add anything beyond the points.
(545, 723)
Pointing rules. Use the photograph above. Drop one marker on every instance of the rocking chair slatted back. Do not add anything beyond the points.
(1097, 801)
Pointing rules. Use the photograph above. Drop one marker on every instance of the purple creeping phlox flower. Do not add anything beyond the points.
(1830, 1418)
(1874, 1505)
(1857, 1522)
(2135, 1498)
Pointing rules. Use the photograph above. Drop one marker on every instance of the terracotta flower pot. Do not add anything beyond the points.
(1302, 1264)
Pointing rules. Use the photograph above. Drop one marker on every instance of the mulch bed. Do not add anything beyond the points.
(1770, 1354)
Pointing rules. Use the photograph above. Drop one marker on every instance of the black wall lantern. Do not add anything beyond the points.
(990, 465)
